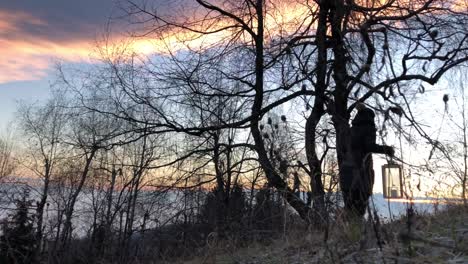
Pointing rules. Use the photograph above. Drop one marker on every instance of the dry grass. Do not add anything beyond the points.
(438, 238)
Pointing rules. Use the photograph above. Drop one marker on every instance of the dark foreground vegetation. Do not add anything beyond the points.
(267, 232)
(441, 237)
(236, 222)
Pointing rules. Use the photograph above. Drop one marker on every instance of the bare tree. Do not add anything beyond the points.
(205, 113)
(7, 160)
(87, 134)
(333, 55)
(449, 156)
(354, 52)
(43, 127)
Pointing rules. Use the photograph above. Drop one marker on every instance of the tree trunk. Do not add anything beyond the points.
(66, 232)
(315, 172)
(350, 173)
(465, 152)
(273, 177)
(41, 205)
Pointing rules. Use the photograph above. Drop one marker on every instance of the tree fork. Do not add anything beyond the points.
(272, 176)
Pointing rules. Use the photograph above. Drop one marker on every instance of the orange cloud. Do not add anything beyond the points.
(28, 49)
(27, 57)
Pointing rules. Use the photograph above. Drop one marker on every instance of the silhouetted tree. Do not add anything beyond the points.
(341, 53)
(222, 215)
(18, 241)
(7, 161)
(268, 210)
(43, 128)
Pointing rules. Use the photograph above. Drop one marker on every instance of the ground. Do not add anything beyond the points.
(441, 237)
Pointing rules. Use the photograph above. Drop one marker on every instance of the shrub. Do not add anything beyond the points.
(224, 212)
(18, 242)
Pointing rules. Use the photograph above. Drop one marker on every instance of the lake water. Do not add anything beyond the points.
(170, 206)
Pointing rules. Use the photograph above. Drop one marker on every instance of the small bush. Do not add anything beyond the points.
(18, 243)
(268, 211)
(223, 211)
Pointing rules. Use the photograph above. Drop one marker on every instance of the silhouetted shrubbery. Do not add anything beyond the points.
(18, 243)
(224, 211)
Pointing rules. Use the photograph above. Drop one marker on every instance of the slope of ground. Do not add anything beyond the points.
(441, 237)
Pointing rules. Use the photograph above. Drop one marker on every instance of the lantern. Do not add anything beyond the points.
(392, 179)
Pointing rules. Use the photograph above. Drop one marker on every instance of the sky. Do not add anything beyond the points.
(38, 35)
(35, 35)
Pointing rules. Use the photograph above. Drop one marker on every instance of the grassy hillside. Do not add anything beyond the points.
(441, 237)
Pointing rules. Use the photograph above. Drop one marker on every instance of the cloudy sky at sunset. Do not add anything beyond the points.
(36, 35)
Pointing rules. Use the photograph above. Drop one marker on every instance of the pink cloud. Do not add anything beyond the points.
(28, 57)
